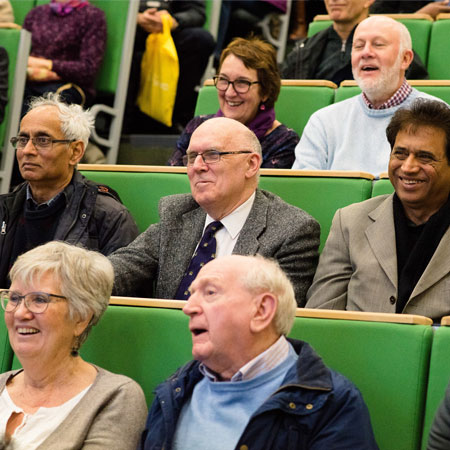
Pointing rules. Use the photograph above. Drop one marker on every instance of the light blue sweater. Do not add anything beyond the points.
(217, 412)
(348, 135)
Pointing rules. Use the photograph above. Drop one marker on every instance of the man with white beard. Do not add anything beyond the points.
(350, 135)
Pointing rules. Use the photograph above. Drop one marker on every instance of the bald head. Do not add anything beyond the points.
(229, 130)
(229, 176)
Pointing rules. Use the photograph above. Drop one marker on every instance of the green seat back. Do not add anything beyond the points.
(381, 187)
(6, 353)
(207, 101)
(438, 66)
(146, 344)
(140, 192)
(318, 25)
(387, 362)
(345, 92)
(9, 39)
(293, 108)
(21, 9)
(116, 18)
(319, 196)
(438, 378)
(420, 30)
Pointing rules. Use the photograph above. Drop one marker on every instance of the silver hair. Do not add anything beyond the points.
(265, 275)
(76, 123)
(405, 38)
(84, 277)
(255, 145)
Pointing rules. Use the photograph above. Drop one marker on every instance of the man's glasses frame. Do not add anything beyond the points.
(209, 157)
(40, 142)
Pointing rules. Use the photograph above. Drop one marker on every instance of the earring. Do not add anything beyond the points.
(262, 107)
(75, 347)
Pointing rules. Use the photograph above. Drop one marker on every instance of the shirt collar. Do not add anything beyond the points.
(35, 205)
(234, 222)
(398, 98)
(262, 363)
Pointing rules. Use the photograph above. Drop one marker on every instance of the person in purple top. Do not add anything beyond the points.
(68, 39)
(248, 84)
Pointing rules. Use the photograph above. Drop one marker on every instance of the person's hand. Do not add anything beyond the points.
(39, 63)
(150, 20)
(41, 74)
(435, 8)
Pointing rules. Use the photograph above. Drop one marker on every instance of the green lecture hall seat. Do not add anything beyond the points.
(438, 377)
(438, 65)
(6, 353)
(389, 364)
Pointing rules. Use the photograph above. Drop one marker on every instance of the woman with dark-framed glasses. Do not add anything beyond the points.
(58, 292)
(248, 83)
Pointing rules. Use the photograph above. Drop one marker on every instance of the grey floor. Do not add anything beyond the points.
(142, 149)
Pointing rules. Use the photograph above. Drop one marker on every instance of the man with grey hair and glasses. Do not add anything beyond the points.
(225, 213)
(350, 134)
(56, 202)
(249, 386)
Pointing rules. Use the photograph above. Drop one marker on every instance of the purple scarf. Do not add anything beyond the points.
(262, 122)
(64, 9)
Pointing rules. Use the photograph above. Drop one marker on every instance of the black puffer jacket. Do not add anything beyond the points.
(93, 217)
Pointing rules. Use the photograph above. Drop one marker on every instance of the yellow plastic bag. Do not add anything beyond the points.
(159, 75)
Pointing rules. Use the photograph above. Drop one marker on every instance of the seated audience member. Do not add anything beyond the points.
(432, 8)
(194, 45)
(391, 253)
(350, 135)
(245, 373)
(68, 39)
(58, 292)
(231, 213)
(4, 62)
(439, 438)
(56, 202)
(248, 84)
(327, 54)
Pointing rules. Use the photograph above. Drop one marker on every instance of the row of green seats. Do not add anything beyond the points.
(389, 362)
(298, 99)
(318, 193)
(429, 39)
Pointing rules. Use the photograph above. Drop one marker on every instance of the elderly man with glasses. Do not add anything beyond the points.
(226, 213)
(56, 202)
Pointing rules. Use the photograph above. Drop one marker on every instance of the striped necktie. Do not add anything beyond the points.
(206, 251)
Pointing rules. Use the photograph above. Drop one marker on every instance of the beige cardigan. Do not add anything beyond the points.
(111, 415)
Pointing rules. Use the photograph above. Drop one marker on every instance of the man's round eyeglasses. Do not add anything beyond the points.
(40, 142)
(208, 157)
(36, 302)
(240, 86)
